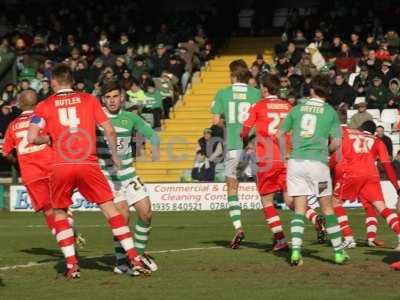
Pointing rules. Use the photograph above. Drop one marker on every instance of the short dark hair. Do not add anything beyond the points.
(320, 85)
(271, 82)
(380, 126)
(62, 74)
(240, 70)
(342, 114)
(368, 126)
(109, 86)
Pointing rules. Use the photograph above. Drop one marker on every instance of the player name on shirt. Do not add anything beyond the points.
(21, 125)
(274, 106)
(67, 101)
(312, 109)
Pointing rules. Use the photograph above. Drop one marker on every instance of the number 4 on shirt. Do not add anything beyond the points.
(68, 117)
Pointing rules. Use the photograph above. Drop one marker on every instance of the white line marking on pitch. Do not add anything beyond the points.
(36, 264)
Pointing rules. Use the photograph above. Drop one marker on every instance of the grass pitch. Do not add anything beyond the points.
(201, 267)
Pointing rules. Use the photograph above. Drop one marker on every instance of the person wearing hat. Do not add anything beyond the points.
(386, 73)
(282, 64)
(361, 115)
(362, 81)
(160, 60)
(377, 95)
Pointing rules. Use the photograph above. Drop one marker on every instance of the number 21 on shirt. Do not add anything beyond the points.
(238, 112)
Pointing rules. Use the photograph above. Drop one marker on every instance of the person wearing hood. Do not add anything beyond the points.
(316, 57)
(394, 93)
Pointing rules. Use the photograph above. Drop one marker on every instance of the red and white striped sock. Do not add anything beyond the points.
(392, 219)
(51, 223)
(65, 239)
(123, 234)
(372, 226)
(343, 222)
(311, 215)
(274, 223)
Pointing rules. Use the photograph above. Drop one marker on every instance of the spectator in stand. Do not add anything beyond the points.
(165, 86)
(394, 93)
(119, 67)
(361, 115)
(45, 91)
(355, 45)
(282, 64)
(211, 144)
(263, 66)
(316, 56)
(7, 114)
(135, 96)
(188, 59)
(383, 53)
(362, 82)
(295, 80)
(345, 62)
(386, 73)
(293, 54)
(380, 132)
(203, 170)
(370, 43)
(160, 60)
(319, 41)
(336, 46)
(139, 67)
(285, 88)
(392, 39)
(306, 87)
(255, 74)
(342, 94)
(126, 80)
(9, 94)
(300, 40)
(176, 66)
(377, 95)
(396, 164)
(153, 104)
(372, 62)
(107, 56)
(306, 67)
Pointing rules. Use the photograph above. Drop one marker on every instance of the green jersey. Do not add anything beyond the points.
(234, 103)
(153, 100)
(312, 122)
(124, 124)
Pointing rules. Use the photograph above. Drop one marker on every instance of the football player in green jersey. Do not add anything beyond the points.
(127, 186)
(312, 123)
(233, 103)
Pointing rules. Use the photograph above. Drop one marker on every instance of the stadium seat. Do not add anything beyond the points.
(350, 113)
(390, 116)
(395, 138)
(386, 125)
(376, 114)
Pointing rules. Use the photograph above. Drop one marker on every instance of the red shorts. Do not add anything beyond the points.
(362, 188)
(39, 193)
(87, 178)
(271, 179)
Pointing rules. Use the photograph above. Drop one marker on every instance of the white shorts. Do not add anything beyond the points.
(308, 177)
(131, 191)
(232, 160)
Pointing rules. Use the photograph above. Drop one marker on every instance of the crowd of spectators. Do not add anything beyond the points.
(152, 60)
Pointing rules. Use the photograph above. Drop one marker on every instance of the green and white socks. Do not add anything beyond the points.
(235, 211)
(332, 228)
(297, 231)
(141, 237)
(334, 233)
